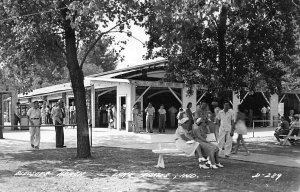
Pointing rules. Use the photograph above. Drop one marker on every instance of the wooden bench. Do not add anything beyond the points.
(289, 136)
(165, 151)
(162, 152)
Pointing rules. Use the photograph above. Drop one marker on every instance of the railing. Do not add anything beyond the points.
(262, 121)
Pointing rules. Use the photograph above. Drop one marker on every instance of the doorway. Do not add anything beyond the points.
(122, 115)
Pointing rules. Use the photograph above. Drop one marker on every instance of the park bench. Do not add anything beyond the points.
(168, 150)
(289, 136)
(165, 151)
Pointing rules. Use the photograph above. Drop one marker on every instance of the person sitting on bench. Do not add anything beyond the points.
(199, 131)
(283, 129)
(184, 141)
(296, 125)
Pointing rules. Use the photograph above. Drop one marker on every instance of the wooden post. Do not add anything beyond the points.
(253, 128)
(274, 110)
(14, 100)
(235, 101)
(93, 106)
(201, 97)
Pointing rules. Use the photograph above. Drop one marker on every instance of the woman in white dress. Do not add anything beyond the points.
(241, 129)
(184, 141)
(135, 113)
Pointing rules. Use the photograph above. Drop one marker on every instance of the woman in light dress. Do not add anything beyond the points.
(184, 141)
(135, 113)
(241, 129)
(200, 130)
(110, 117)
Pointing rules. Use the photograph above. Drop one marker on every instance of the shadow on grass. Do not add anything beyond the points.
(268, 145)
(133, 170)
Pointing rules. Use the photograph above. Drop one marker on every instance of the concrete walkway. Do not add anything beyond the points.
(16, 141)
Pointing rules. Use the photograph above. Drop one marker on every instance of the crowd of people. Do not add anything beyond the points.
(202, 132)
(151, 114)
(205, 134)
(108, 116)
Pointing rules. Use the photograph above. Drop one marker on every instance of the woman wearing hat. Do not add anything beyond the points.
(184, 141)
(200, 130)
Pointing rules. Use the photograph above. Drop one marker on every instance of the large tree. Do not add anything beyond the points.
(224, 45)
(51, 33)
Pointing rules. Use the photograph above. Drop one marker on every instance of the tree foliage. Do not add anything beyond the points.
(48, 35)
(103, 57)
(33, 54)
(225, 45)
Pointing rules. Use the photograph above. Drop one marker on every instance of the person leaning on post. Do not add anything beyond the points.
(35, 120)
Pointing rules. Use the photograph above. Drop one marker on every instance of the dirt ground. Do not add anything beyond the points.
(119, 169)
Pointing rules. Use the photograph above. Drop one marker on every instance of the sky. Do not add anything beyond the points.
(134, 49)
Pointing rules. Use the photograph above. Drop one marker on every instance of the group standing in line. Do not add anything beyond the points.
(150, 113)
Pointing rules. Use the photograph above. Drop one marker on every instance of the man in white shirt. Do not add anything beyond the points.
(43, 112)
(264, 115)
(150, 115)
(225, 121)
(162, 118)
(35, 119)
(73, 114)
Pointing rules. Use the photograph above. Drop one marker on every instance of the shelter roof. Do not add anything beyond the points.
(149, 71)
(146, 71)
(60, 88)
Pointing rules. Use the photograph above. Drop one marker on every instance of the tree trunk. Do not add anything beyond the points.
(1, 117)
(222, 44)
(77, 80)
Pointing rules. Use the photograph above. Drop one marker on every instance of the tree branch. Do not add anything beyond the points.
(95, 42)
(129, 36)
(296, 4)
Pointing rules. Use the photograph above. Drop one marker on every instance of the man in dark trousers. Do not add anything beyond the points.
(58, 119)
(17, 115)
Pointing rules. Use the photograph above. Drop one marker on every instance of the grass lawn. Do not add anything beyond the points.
(122, 169)
(268, 145)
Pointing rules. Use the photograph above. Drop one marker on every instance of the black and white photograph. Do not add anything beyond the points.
(149, 95)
